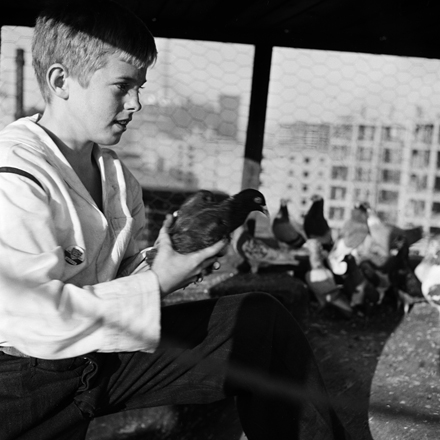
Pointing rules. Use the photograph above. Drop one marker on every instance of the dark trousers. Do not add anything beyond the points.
(247, 346)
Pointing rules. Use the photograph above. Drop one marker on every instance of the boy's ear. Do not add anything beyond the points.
(56, 80)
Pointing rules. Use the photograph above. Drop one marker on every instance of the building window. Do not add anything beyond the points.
(339, 173)
(362, 194)
(391, 176)
(342, 131)
(340, 152)
(338, 193)
(436, 209)
(423, 133)
(419, 158)
(364, 154)
(438, 160)
(363, 175)
(417, 182)
(336, 213)
(392, 155)
(304, 135)
(366, 132)
(392, 133)
(415, 208)
(437, 184)
(390, 197)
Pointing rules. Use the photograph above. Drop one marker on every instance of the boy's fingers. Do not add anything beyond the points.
(214, 249)
(163, 232)
(167, 222)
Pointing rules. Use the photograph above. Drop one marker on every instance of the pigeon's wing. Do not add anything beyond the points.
(199, 231)
(354, 233)
(195, 203)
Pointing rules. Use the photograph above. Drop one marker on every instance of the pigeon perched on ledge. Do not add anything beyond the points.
(428, 272)
(258, 253)
(321, 281)
(359, 286)
(406, 286)
(286, 233)
(352, 234)
(316, 225)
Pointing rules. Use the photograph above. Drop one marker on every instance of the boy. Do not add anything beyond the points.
(77, 341)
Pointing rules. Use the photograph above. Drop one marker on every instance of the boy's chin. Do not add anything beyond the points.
(109, 141)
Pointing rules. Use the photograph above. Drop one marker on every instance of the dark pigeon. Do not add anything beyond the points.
(201, 222)
(287, 235)
(315, 224)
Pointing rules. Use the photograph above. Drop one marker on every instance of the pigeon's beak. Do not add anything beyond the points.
(264, 210)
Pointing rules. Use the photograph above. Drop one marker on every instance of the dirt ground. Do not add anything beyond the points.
(348, 351)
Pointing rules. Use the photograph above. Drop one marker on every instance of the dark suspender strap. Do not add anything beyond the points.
(21, 173)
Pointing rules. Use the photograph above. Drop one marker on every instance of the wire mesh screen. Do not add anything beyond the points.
(190, 132)
(354, 128)
(351, 127)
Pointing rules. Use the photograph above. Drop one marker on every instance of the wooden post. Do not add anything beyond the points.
(19, 63)
(257, 116)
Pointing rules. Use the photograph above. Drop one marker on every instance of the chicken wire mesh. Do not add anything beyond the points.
(350, 127)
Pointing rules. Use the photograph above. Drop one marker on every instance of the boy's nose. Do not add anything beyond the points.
(133, 103)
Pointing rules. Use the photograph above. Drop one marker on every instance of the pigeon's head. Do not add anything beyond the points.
(243, 203)
(362, 206)
(316, 198)
(317, 205)
(251, 200)
(360, 212)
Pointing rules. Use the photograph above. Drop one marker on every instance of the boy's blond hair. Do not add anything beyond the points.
(81, 34)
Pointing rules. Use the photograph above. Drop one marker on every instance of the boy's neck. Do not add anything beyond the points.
(73, 152)
(66, 143)
(83, 163)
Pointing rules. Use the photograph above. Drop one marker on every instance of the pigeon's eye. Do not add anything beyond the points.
(258, 200)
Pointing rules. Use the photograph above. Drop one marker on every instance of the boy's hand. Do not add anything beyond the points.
(175, 271)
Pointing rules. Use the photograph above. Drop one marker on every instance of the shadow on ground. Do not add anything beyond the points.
(348, 351)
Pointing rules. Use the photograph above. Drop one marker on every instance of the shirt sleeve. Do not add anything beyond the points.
(44, 317)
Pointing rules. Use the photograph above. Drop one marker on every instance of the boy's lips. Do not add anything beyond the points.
(123, 123)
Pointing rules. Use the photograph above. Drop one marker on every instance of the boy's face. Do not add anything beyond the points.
(101, 111)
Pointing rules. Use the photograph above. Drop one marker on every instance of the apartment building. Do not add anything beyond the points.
(394, 167)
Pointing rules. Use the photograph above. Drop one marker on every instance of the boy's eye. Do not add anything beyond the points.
(123, 86)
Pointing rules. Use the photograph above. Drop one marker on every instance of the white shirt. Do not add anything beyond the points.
(59, 254)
